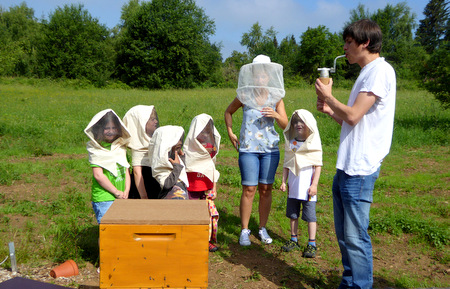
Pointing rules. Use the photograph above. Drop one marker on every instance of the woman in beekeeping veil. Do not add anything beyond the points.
(260, 93)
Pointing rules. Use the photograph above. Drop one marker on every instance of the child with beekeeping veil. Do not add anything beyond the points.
(142, 121)
(167, 161)
(260, 93)
(302, 167)
(107, 156)
(201, 148)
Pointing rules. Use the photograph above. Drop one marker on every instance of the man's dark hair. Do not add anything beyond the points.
(363, 30)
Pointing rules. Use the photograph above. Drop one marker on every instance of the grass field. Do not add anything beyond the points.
(45, 181)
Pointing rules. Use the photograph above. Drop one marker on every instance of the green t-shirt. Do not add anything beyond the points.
(99, 194)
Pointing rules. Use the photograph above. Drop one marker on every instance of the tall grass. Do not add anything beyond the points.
(41, 118)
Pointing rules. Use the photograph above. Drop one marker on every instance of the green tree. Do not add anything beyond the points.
(76, 46)
(399, 48)
(432, 30)
(231, 67)
(288, 52)
(360, 12)
(19, 35)
(396, 23)
(436, 74)
(238, 59)
(447, 30)
(318, 48)
(253, 40)
(165, 43)
(259, 43)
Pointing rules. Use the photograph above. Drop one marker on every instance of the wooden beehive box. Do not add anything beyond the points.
(154, 244)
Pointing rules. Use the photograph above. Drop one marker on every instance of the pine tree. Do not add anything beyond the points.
(433, 28)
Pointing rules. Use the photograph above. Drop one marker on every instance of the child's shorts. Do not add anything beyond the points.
(100, 209)
(293, 207)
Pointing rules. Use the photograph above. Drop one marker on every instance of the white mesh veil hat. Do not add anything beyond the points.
(261, 59)
(261, 83)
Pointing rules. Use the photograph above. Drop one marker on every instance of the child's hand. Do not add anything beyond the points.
(177, 159)
(211, 195)
(312, 191)
(283, 187)
(120, 195)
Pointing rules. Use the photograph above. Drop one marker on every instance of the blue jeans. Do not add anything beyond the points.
(352, 197)
(100, 209)
(258, 167)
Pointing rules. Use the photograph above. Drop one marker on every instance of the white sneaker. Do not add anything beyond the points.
(244, 239)
(265, 238)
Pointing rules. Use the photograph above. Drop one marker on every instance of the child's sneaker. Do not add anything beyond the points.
(290, 245)
(265, 238)
(310, 251)
(244, 239)
(213, 248)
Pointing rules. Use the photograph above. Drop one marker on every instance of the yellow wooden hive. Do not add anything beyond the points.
(155, 244)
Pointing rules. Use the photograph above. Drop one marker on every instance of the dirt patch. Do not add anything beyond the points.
(267, 267)
(87, 276)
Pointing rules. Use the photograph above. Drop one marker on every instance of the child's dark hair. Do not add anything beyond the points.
(365, 30)
(295, 117)
(97, 129)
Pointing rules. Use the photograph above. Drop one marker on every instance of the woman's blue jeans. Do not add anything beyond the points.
(352, 197)
(258, 168)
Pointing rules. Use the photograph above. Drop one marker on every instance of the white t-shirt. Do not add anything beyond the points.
(299, 185)
(363, 146)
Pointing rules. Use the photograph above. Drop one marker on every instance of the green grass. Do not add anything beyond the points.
(42, 146)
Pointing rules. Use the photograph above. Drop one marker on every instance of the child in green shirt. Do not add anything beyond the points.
(107, 156)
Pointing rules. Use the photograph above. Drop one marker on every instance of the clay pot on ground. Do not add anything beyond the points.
(66, 269)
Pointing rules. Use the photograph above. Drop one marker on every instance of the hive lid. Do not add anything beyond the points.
(157, 212)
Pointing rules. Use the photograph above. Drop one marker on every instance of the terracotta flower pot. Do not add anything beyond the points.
(66, 269)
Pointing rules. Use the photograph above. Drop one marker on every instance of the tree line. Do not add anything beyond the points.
(162, 44)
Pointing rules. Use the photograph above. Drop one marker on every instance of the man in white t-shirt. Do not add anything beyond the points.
(367, 124)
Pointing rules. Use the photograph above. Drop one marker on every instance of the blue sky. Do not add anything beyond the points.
(235, 17)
